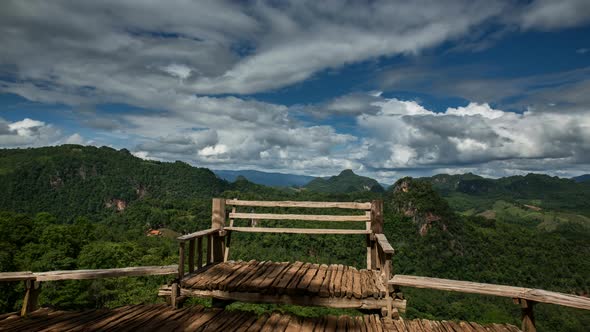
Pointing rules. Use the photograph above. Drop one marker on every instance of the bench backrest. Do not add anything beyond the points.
(370, 213)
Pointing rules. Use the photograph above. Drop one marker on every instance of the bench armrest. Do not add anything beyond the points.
(198, 234)
(384, 244)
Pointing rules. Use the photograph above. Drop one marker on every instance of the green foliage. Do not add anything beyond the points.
(51, 224)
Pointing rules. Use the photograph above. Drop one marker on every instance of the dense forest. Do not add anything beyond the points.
(74, 207)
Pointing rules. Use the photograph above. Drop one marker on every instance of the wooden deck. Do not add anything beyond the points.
(299, 283)
(164, 318)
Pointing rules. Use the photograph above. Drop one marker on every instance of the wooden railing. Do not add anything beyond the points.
(33, 279)
(525, 297)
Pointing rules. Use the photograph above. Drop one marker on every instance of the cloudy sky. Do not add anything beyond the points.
(386, 88)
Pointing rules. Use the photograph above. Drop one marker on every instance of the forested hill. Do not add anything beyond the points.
(80, 180)
(344, 182)
(467, 191)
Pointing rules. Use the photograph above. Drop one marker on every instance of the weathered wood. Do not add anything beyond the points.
(191, 256)
(527, 316)
(384, 244)
(325, 287)
(174, 293)
(199, 252)
(377, 216)
(318, 279)
(297, 230)
(302, 204)
(180, 260)
(30, 301)
(209, 249)
(198, 234)
(344, 303)
(106, 273)
(535, 295)
(16, 276)
(308, 217)
(289, 280)
(217, 221)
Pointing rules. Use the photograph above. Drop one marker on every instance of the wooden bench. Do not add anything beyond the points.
(300, 283)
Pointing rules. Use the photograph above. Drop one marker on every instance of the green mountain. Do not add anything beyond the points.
(55, 215)
(79, 180)
(469, 191)
(345, 182)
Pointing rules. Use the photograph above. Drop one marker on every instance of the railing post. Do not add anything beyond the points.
(31, 297)
(199, 252)
(191, 256)
(218, 221)
(181, 261)
(527, 315)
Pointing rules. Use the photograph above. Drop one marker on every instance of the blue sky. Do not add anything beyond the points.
(385, 88)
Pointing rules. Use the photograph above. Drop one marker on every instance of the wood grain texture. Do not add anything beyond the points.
(307, 217)
(530, 294)
(302, 204)
(384, 244)
(106, 273)
(298, 230)
(198, 234)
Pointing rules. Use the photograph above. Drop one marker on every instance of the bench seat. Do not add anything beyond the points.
(334, 285)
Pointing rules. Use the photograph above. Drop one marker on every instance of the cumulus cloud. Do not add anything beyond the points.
(474, 134)
(27, 132)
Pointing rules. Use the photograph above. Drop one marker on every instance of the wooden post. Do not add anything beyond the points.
(218, 221)
(191, 256)
(209, 248)
(31, 297)
(199, 252)
(377, 216)
(528, 318)
(181, 260)
(369, 260)
(174, 292)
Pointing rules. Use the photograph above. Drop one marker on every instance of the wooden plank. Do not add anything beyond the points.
(198, 234)
(306, 279)
(106, 273)
(536, 295)
(251, 271)
(302, 204)
(272, 276)
(16, 276)
(379, 283)
(349, 281)
(337, 283)
(237, 274)
(298, 230)
(289, 280)
(247, 284)
(318, 279)
(356, 284)
(257, 297)
(308, 217)
(325, 287)
(384, 244)
(292, 287)
(227, 270)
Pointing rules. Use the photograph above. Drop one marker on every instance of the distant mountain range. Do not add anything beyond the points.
(582, 178)
(266, 178)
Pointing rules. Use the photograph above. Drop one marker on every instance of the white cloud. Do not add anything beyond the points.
(27, 132)
(551, 14)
